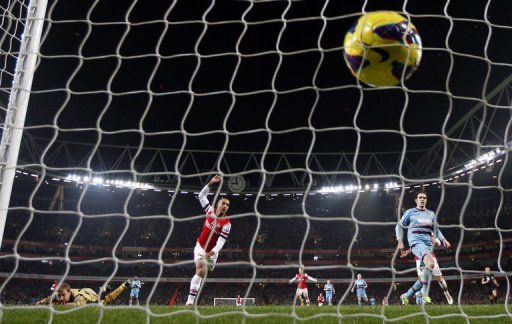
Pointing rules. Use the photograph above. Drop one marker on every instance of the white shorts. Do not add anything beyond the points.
(199, 254)
(436, 272)
(302, 291)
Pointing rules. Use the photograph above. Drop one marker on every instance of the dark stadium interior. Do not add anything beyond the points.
(259, 89)
(278, 236)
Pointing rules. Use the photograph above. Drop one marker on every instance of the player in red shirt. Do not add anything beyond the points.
(215, 232)
(238, 300)
(302, 288)
(321, 300)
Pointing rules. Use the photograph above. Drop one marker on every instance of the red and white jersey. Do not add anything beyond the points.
(213, 228)
(238, 301)
(301, 280)
(320, 300)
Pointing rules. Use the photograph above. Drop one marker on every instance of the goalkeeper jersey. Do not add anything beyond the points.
(83, 296)
(78, 297)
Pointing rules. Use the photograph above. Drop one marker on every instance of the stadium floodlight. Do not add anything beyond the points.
(479, 163)
(111, 182)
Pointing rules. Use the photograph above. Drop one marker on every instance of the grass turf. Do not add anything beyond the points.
(257, 314)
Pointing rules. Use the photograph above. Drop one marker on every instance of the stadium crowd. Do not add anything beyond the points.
(100, 224)
(23, 292)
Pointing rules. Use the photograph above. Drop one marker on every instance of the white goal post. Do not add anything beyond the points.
(232, 302)
(19, 97)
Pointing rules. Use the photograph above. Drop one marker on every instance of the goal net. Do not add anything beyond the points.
(116, 114)
(233, 302)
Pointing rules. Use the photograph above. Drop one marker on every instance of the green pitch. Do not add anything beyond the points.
(258, 314)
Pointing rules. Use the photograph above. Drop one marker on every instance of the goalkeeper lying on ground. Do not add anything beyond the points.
(78, 297)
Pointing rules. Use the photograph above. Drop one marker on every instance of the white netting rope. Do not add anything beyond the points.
(234, 94)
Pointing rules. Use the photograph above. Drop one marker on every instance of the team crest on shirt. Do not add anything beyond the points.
(209, 225)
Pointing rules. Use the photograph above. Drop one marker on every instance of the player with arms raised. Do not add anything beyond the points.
(421, 233)
(302, 288)
(212, 238)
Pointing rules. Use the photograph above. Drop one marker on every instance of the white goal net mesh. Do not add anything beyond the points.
(136, 105)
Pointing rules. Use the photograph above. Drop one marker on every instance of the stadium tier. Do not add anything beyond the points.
(199, 159)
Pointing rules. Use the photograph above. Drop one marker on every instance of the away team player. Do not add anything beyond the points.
(421, 233)
(329, 291)
(360, 286)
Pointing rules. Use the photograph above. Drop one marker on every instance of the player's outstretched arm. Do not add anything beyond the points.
(214, 180)
(203, 195)
(44, 301)
(312, 279)
(293, 280)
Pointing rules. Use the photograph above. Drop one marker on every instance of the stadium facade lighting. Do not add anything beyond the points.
(480, 163)
(109, 182)
(484, 161)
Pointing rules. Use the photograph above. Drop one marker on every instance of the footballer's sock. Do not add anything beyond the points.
(130, 302)
(424, 282)
(114, 294)
(417, 286)
(195, 283)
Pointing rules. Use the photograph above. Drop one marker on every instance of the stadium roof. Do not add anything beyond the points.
(267, 76)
